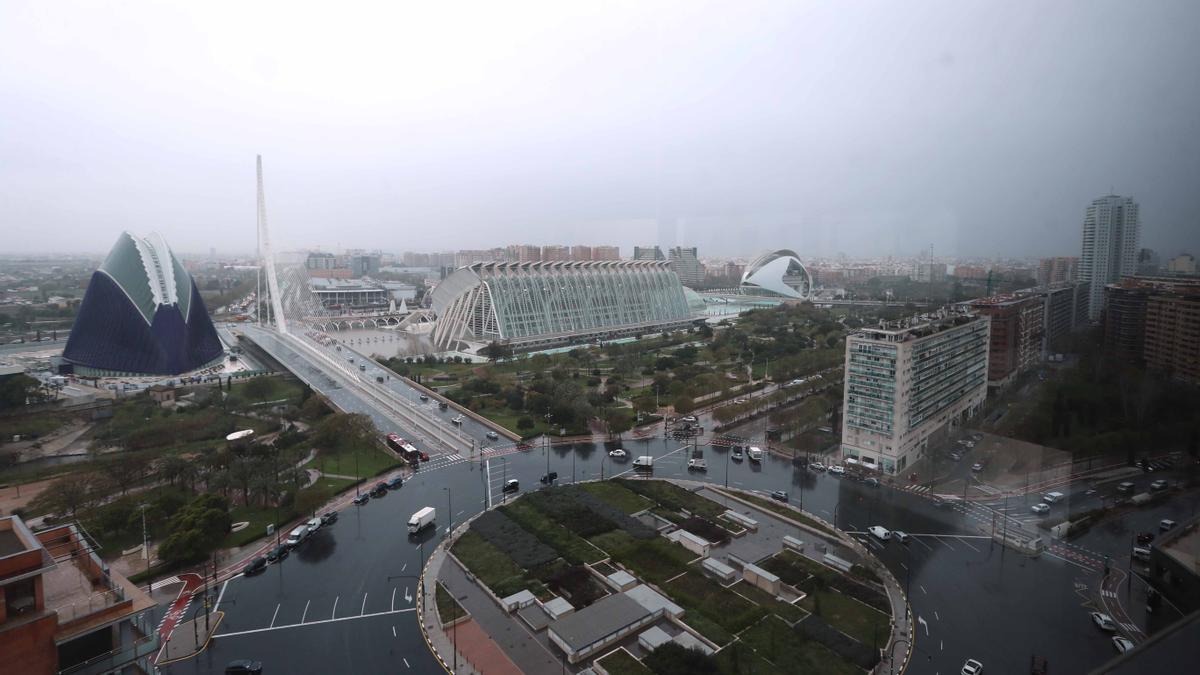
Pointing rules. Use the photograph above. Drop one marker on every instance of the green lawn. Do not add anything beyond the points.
(859, 621)
(673, 497)
(258, 518)
(654, 560)
(775, 641)
(788, 612)
(620, 497)
(371, 461)
(622, 662)
(270, 389)
(31, 425)
(488, 563)
(568, 544)
(740, 659)
(448, 608)
(794, 568)
(701, 595)
(781, 509)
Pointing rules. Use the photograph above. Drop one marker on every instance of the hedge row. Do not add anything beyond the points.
(636, 528)
(815, 628)
(524, 548)
(862, 593)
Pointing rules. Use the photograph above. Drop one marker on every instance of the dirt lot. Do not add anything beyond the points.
(1009, 464)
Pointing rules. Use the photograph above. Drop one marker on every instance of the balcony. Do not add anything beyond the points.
(117, 658)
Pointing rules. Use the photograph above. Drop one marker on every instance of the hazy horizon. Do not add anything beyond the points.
(869, 129)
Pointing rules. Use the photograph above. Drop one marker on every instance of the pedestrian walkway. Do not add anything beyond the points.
(189, 638)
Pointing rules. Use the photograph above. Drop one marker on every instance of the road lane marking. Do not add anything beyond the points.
(903, 565)
(935, 615)
(945, 544)
(393, 630)
(918, 540)
(274, 615)
(305, 614)
(335, 599)
(967, 544)
(393, 597)
(364, 605)
(405, 662)
(220, 595)
(314, 623)
(921, 620)
(404, 567)
(922, 589)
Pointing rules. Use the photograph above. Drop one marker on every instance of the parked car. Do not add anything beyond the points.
(329, 518)
(881, 533)
(1125, 487)
(837, 469)
(512, 485)
(972, 667)
(1040, 509)
(362, 499)
(872, 481)
(254, 566)
(617, 454)
(1145, 537)
(1166, 524)
(314, 525)
(901, 537)
(379, 490)
(977, 466)
(549, 478)
(1122, 644)
(243, 667)
(395, 482)
(779, 495)
(492, 435)
(817, 466)
(278, 553)
(1159, 484)
(1104, 622)
(298, 535)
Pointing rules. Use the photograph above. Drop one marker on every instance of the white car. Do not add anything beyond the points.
(881, 533)
(617, 454)
(899, 536)
(1040, 509)
(972, 667)
(838, 469)
(817, 466)
(492, 435)
(1122, 644)
(1104, 622)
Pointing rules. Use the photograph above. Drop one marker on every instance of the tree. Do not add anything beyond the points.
(17, 390)
(67, 494)
(675, 659)
(524, 424)
(197, 529)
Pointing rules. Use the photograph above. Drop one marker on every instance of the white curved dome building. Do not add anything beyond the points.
(778, 273)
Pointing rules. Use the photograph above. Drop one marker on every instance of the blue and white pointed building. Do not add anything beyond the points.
(142, 315)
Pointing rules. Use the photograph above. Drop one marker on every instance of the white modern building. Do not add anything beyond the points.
(909, 381)
(538, 305)
(778, 274)
(1110, 246)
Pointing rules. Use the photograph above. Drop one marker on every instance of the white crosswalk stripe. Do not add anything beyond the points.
(1108, 594)
(1131, 628)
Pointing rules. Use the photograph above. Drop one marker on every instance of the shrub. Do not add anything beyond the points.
(675, 659)
(524, 548)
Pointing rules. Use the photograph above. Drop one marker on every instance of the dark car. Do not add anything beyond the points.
(362, 499)
(278, 553)
(550, 477)
(396, 482)
(872, 481)
(779, 495)
(329, 518)
(255, 566)
(1145, 537)
(243, 667)
(379, 490)
(512, 485)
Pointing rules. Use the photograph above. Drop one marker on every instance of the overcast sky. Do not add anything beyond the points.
(867, 128)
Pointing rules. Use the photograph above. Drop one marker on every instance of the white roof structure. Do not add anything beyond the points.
(778, 273)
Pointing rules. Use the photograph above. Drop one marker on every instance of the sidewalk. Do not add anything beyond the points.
(189, 638)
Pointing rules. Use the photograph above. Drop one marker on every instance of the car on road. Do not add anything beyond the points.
(395, 482)
(1159, 484)
(955, 456)
(739, 401)
(779, 496)
(254, 566)
(424, 397)
(872, 481)
(1145, 537)
(549, 478)
(618, 454)
(362, 499)
(697, 465)
(1166, 524)
(881, 533)
(458, 420)
(901, 537)
(1040, 509)
(977, 466)
(690, 419)
(1122, 644)
(329, 517)
(1141, 553)
(972, 667)
(1125, 487)
(1104, 622)
(379, 490)
(837, 469)
(511, 485)
(736, 454)
(442, 405)
(524, 446)
(816, 466)
(492, 435)
(278, 553)
(243, 667)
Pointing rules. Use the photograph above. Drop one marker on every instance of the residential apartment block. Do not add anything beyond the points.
(1110, 246)
(1155, 321)
(1057, 270)
(908, 382)
(1017, 334)
(1066, 309)
(63, 611)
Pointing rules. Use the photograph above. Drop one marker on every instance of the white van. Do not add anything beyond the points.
(1053, 497)
(644, 462)
(297, 535)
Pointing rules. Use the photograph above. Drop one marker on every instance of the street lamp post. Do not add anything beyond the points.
(145, 540)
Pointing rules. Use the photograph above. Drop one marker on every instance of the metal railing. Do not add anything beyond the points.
(115, 659)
